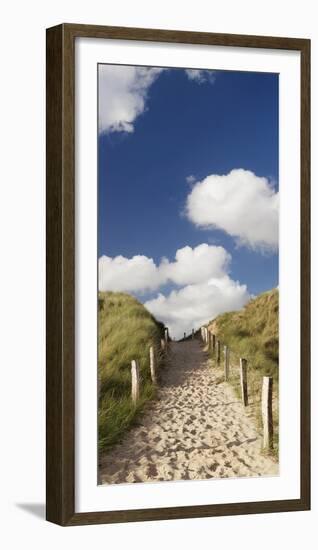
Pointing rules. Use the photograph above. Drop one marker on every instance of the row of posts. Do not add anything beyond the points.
(135, 369)
(214, 345)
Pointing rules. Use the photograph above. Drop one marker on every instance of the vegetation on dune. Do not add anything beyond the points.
(126, 330)
(252, 333)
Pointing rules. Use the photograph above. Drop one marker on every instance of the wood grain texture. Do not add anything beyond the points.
(60, 412)
(184, 37)
(54, 445)
(60, 273)
(305, 446)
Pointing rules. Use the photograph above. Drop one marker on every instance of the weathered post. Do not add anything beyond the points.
(163, 344)
(267, 412)
(184, 335)
(243, 377)
(206, 335)
(213, 343)
(202, 335)
(192, 333)
(166, 335)
(226, 363)
(153, 365)
(209, 340)
(135, 381)
(218, 351)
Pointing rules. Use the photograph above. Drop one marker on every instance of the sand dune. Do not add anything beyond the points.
(196, 429)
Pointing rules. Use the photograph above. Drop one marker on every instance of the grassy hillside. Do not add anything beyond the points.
(252, 333)
(126, 332)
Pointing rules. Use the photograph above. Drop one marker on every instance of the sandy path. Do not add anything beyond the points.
(197, 429)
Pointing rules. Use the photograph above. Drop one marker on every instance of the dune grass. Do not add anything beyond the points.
(126, 330)
(252, 333)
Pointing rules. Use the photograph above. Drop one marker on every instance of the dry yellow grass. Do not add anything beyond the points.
(252, 333)
(126, 330)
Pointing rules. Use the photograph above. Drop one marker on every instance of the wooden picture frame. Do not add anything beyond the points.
(60, 332)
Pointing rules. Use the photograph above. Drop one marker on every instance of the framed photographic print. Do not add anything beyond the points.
(178, 274)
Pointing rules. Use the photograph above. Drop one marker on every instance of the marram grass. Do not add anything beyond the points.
(252, 333)
(126, 330)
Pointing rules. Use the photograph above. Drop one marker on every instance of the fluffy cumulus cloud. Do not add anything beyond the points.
(137, 274)
(201, 75)
(204, 287)
(123, 93)
(195, 265)
(140, 273)
(239, 203)
(194, 305)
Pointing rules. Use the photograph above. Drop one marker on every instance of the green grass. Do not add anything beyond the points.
(126, 330)
(252, 333)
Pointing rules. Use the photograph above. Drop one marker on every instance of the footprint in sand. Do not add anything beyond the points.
(191, 401)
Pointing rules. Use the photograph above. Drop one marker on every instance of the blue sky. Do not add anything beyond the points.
(164, 132)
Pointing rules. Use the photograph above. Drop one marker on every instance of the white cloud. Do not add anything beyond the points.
(195, 265)
(239, 203)
(201, 272)
(140, 273)
(194, 305)
(201, 75)
(123, 92)
(121, 274)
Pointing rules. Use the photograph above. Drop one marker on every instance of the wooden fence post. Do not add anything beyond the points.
(209, 340)
(213, 343)
(192, 333)
(218, 351)
(267, 412)
(153, 365)
(167, 335)
(184, 335)
(226, 363)
(243, 377)
(163, 344)
(135, 381)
